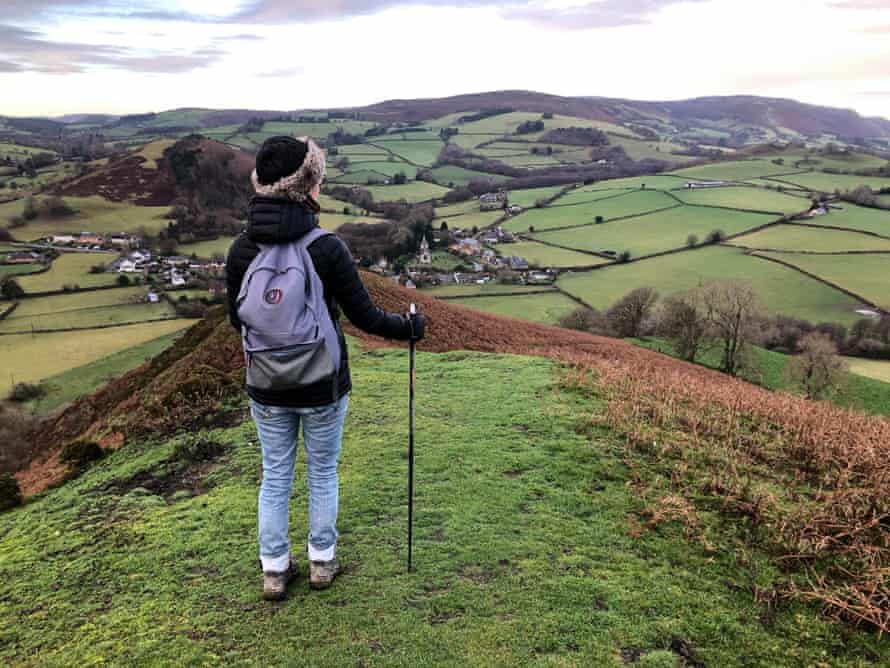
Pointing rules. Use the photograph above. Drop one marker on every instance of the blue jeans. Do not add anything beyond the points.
(278, 428)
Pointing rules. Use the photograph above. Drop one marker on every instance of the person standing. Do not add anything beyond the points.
(282, 221)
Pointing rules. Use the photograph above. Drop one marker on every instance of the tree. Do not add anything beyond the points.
(683, 321)
(585, 319)
(627, 315)
(123, 280)
(599, 220)
(624, 257)
(30, 211)
(10, 289)
(818, 370)
(733, 310)
(716, 236)
(692, 241)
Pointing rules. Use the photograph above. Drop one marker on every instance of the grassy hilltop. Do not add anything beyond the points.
(563, 517)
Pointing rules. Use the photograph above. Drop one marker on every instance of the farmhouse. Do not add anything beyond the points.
(492, 201)
(62, 239)
(517, 263)
(706, 184)
(22, 257)
(124, 240)
(90, 239)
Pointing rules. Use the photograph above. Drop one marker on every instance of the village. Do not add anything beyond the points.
(472, 256)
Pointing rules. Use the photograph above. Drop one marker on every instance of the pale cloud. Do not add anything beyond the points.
(593, 15)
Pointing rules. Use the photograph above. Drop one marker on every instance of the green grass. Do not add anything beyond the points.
(541, 255)
(467, 221)
(545, 308)
(96, 316)
(418, 151)
(646, 149)
(417, 191)
(865, 275)
(828, 183)
(359, 177)
(59, 304)
(18, 269)
(453, 176)
(470, 141)
(800, 238)
(527, 198)
(21, 152)
(386, 167)
(874, 369)
(523, 551)
(94, 214)
(864, 219)
(782, 290)
(819, 161)
(655, 232)
(207, 249)
(572, 210)
(70, 269)
(488, 288)
(736, 170)
(360, 152)
(863, 391)
(650, 181)
(750, 198)
(70, 385)
(30, 359)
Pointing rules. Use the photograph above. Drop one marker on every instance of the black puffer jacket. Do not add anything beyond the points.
(272, 220)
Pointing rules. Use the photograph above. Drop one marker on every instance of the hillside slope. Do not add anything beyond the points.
(804, 481)
(541, 540)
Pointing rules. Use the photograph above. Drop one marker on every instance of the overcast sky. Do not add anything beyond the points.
(125, 56)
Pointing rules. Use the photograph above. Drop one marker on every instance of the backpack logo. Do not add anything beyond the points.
(274, 297)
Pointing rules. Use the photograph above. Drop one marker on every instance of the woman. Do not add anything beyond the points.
(287, 179)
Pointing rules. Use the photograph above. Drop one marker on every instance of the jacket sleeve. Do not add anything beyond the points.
(241, 254)
(335, 266)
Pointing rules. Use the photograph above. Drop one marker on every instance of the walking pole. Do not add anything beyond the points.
(411, 348)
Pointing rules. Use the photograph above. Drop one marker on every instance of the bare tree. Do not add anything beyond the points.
(819, 371)
(733, 311)
(628, 314)
(684, 322)
(585, 319)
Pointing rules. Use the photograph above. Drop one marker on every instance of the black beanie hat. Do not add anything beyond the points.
(279, 157)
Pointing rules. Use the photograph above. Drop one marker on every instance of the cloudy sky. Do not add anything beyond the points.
(123, 56)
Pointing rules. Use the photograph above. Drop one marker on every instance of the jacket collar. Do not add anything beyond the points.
(277, 220)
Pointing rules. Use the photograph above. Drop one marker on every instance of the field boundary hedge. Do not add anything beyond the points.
(5, 314)
(815, 277)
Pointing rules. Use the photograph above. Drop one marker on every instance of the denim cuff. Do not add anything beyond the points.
(326, 554)
(275, 564)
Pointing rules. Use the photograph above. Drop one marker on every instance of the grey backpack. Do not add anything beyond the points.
(290, 340)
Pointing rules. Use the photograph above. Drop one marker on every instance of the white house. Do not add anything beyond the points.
(62, 239)
(127, 267)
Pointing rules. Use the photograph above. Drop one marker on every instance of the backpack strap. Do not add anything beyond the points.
(312, 236)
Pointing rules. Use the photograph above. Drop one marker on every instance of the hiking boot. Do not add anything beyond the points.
(275, 584)
(322, 573)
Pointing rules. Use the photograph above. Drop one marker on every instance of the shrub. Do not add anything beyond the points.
(195, 449)
(10, 289)
(716, 236)
(22, 392)
(624, 257)
(599, 220)
(15, 430)
(82, 453)
(586, 319)
(123, 280)
(628, 315)
(56, 206)
(692, 241)
(10, 493)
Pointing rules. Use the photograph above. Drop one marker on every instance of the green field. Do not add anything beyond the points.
(546, 308)
(527, 198)
(71, 269)
(469, 141)
(18, 269)
(207, 249)
(418, 151)
(82, 318)
(21, 152)
(359, 152)
(70, 385)
(841, 161)
(622, 205)
(865, 275)
(30, 359)
(485, 289)
(58, 304)
(453, 176)
(388, 168)
(646, 149)
(417, 191)
(468, 221)
(800, 238)
(649, 181)
(875, 369)
(782, 290)
(359, 177)
(736, 170)
(750, 198)
(828, 183)
(94, 214)
(543, 256)
(655, 232)
(864, 219)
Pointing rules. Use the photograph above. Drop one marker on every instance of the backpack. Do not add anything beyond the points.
(289, 338)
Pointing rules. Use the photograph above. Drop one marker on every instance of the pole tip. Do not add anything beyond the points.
(413, 309)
